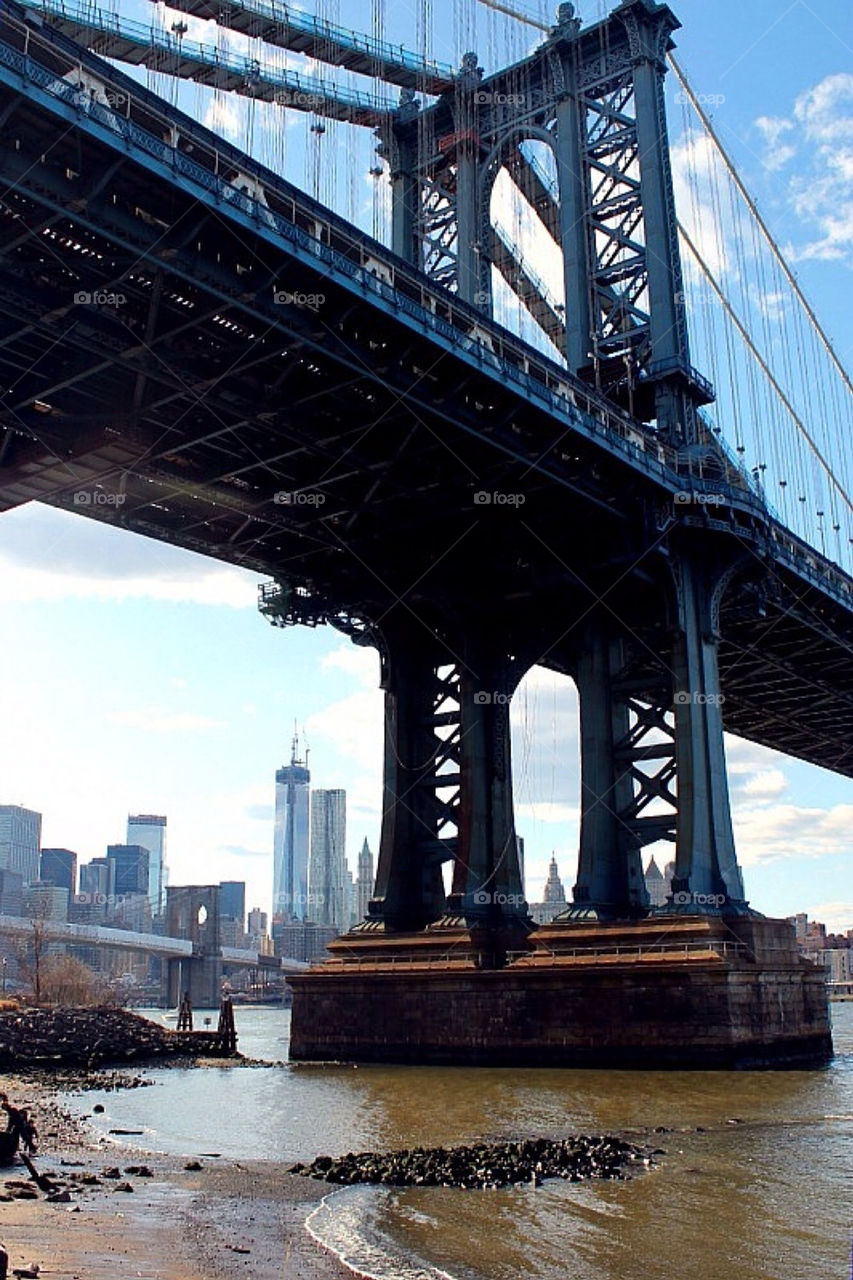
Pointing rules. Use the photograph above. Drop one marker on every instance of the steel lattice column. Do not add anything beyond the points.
(487, 886)
(627, 770)
(707, 874)
(571, 180)
(421, 780)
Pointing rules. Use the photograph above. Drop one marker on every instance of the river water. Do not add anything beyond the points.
(766, 1198)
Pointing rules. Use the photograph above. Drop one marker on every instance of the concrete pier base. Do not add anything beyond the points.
(673, 991)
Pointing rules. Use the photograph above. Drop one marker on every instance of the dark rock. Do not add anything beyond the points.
(483, 1165)
(97, 1109)
(193, 1166)
(112, 1172)
(141, 1170)
(122, 1186)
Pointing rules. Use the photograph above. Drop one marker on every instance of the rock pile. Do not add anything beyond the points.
(86, 1037)
(486, 1165)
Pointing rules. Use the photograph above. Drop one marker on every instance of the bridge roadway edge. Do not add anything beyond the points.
(675, 992)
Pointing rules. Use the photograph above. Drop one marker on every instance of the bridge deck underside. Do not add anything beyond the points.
(332, 443)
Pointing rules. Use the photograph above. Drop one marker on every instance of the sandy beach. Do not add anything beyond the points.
(225, 1219)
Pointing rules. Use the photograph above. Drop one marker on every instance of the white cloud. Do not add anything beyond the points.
(355, 725)
(819, 134)
(547, 811)
(160, 720)
(51, 555)
(224, 116)
(363, 663)
(773, 129)
(695, 170)
(766, 785)
(770, 833)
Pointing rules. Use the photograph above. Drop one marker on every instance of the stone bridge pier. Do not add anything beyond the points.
(461, 974)
(192, 912)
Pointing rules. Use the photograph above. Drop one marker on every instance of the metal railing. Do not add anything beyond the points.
(301, 23)
(290, 84)
(722, 948)
(284, 210)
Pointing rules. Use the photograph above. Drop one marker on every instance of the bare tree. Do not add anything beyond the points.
(66, 980)
(31, 952)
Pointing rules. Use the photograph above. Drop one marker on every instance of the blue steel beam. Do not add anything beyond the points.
(300, 32)
(120, 38)
(482, 344)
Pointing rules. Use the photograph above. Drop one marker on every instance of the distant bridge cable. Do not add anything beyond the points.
(753, 209)
(514, 13)
(765, 368)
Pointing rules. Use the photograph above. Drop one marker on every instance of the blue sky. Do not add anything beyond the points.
(136, 677)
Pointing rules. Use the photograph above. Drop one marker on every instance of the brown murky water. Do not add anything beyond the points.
(768, 1198)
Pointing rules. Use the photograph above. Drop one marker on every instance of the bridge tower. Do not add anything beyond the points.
(192, 912)
(594, 98)
(652, 734)
(645, 664)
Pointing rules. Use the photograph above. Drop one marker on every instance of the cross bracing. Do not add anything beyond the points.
(233, 398)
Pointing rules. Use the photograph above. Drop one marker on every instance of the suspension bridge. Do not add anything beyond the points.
(478, 440)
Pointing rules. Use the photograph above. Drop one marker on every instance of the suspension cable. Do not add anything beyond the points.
(768, 372)
(753, 208)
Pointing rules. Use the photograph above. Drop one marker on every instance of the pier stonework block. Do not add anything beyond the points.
(675, 991)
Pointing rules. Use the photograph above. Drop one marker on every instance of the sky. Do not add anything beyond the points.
(139, 678)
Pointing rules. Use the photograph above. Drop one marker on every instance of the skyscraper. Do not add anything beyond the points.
(554, 897)
(149, 831)
(554, 891)
(327, 875)
(128, 869)
(232, 901)
(655, 884)
(364, 883)
(290, 841)
(20, 841)
(59, 867)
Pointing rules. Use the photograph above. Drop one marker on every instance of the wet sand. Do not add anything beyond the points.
(228, 1219)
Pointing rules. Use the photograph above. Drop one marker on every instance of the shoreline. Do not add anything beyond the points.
(226, 1218)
